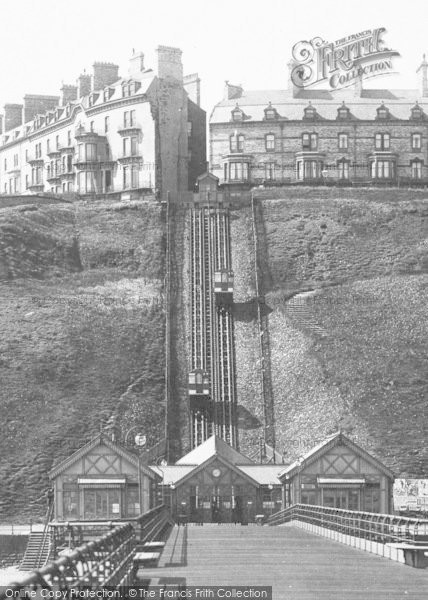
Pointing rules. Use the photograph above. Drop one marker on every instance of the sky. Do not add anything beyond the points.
(45, 42)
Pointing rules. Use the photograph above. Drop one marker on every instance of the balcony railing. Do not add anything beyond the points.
(128, 129)
(35, 160)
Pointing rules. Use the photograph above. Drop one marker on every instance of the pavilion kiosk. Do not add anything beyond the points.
(339, 474)
(103, 480)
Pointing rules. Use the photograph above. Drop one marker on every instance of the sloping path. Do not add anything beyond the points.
(297, 564)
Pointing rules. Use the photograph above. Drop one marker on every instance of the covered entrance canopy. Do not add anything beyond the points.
(216, 483)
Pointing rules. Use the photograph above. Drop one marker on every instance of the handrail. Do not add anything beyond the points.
(379, 527)
(48, 517)
(106, 561)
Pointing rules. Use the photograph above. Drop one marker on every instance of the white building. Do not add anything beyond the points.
(139, 133)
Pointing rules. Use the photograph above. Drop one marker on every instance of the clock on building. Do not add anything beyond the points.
(216, 472)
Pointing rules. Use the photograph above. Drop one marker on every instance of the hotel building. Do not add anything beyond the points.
(127, 136)
(353, 135)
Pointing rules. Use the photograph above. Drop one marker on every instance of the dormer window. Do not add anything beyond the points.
(237, 114)
(270, 113)
(382, 112)
(416, 112)
(343, 112)
(310, 112)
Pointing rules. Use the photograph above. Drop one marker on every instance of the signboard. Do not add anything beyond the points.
(343, 62)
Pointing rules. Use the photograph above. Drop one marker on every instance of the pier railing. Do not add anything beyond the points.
(372, 526)
(104, 562)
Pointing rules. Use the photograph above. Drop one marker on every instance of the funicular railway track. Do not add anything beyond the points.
(213, 406)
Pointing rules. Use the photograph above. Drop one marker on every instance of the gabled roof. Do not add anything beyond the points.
(184, 472)
(337, 439)
(214, 446)
(101, 440)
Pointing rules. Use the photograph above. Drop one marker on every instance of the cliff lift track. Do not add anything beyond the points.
(212, 343)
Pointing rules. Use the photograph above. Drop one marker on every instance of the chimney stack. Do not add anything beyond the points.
(36, 104)
(104, 74)
(169, 63)
(192, 85)
(424, 82)
(136, 63)
(83, 85)
(12, 116)
(232, 91)
(68, 94)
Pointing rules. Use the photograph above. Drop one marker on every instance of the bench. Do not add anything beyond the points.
(154, 544)
(145, 557)
(414, 555)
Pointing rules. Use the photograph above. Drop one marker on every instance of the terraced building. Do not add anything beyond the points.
(131, 135)
(313, 135)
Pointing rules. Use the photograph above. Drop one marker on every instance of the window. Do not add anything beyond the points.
(125, 144)
(5, 164)
(70, 504)
(126, 118)
(91, 126)
(189, 128)
(270, 113)
(86, 182)
(382, 112)
(15, 160)
(125, 177)
(106, 124)
(239, 171)
(133, 508)
(133, 146)
(270, 171)
(382, 141)
(69, 163)
(132, 118)
(343, 141)
(310, 112)
(91, 152)
(309, 169)
(416, 166)
(225, 171)
(57, 142)
(416, 112)
(310, 141)
(237, 114)
(48, 146)
(134, 177)
(270, 142)
(26, 156)
(343, 169)
(343, 112)
(27, 182)
(383, 169)
(68, 138)
(416, 141)
(237, 142)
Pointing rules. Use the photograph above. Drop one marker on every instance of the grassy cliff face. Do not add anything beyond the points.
(82, 326)
(352, 353)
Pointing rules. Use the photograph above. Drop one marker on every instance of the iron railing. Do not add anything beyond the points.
(104, 562)
(372, 526)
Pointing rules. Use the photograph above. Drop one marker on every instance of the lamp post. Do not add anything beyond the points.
(140, 441)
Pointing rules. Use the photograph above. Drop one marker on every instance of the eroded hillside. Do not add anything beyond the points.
(352, 353)
(82, 343)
